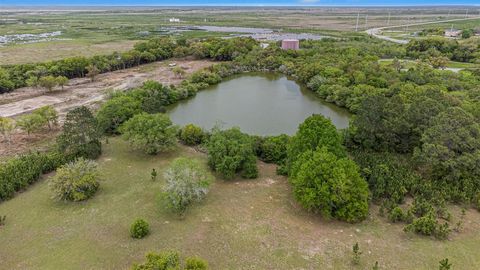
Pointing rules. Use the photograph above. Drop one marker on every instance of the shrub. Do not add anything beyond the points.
(80, 136)
(396, 215)
(165, 260)
(195, 263)
(444, 264)
(356, 254)
(6, 127)
(31, 123)
(75, 181)
(49, 114)
(424, 225)
(192, 135)
(2, 220)
(273, 149)
(139, 229)
(152, 133)
(169, 260)
(231, 151)
(325, 183)
(19, 172)
(116, 111)
(186, 182)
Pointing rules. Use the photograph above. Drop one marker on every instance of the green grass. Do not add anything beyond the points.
(242, 224)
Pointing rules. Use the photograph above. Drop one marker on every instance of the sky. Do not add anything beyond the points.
(240, 2)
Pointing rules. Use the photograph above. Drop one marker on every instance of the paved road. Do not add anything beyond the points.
(377, 32)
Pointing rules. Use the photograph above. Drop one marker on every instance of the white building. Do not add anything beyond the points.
(453, 33)
(174, 20)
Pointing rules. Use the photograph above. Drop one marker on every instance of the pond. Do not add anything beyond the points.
(257, 103)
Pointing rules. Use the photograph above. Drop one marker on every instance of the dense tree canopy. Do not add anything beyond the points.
(152, 133)
(323, 182)
(231, 151)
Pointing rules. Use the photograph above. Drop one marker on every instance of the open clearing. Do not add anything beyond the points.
(243, 224)
(81, 92)
(56, 50)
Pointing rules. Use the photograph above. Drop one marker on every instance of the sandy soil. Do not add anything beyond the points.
(81, 92)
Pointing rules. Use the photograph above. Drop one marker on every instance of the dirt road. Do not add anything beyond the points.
(377, 32)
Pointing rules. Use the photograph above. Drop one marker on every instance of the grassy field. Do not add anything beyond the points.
(103, 30)
(243, 224)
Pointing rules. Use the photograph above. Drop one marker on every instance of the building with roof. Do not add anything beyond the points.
(290, 44)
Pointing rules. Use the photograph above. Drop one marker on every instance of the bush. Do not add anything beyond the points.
(273, 149)
(165, 260)
(169, 260)
(31, 123)
(423, 225)
(49, 114)
(139, 229)
(116, 111)
(80, 136)
(152, 133)
(75, 181)
(325, 183)
(195, 263)
(231, 151)
(192, 135)
(186, 182)
(396, 215)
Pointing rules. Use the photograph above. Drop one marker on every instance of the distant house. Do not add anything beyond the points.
(290, 44)
(174, 20)
(453, 33)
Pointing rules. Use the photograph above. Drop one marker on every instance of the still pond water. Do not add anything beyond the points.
(258, 103)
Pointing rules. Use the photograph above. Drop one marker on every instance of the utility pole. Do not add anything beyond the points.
(366, 22)
(388, 20)
(466, 13)
(356, 26)
(448, 16)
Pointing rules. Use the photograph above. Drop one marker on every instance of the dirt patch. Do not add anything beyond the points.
(80, 92)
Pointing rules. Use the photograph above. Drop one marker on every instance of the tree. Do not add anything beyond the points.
(152, 133)
(192, 135)
(178, 72)
(332, 186)
(62, 81)
(75, 181)
(6, 127)
(92, 72)
(438, 62)
(315, 132)
(116, 111)
(80, 136)
(467, 33)
(450, 152)
(30, 122)
(231, 151)
(274, 149)
(48, 82)
(49, 114)
(187, 181)
(6, 83)
(397, 65)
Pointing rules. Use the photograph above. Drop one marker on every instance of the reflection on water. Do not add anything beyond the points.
(258, 103)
